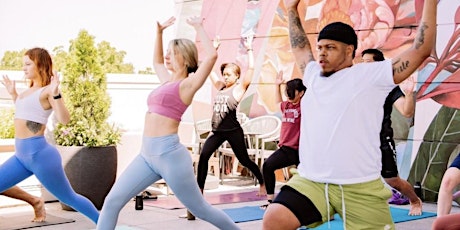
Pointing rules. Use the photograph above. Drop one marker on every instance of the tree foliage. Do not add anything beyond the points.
(84, 87)
(12, 60)
(148, 70)
(110, 60)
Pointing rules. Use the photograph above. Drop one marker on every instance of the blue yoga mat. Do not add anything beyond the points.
(251, 213)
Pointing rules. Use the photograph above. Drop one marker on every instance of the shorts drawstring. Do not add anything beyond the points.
(343, 208)
(344, 216)
(326, 193)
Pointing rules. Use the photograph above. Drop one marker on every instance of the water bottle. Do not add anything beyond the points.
(418, 189)
(139, 202)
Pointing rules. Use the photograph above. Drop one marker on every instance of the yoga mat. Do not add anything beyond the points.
(171, 202)
(24, 222)
(251, 213)
(123, 227)
(244, 214)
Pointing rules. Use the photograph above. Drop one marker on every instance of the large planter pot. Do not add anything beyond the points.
(91, 171)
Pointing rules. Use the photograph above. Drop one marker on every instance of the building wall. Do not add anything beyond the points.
(426, 142)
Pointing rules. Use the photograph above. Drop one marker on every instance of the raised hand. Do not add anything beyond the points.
(195, 21)
(216, 42)
(166, 24)
(9, 85)
(408, 86)
(279, 78)
(248, 41)
(54, 84)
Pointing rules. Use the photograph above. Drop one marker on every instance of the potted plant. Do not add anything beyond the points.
(88, 142)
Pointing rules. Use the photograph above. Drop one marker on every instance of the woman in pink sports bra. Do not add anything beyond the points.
(162, 155)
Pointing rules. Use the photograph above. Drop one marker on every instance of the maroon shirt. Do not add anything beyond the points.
(290, 126)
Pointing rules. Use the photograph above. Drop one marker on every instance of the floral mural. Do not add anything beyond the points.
(429, 140)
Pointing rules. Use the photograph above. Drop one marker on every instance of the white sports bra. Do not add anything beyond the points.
(29, 108)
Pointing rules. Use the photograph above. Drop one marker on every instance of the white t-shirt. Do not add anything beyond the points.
(339, 134)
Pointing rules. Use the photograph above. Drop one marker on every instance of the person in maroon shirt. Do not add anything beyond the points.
(288, 152)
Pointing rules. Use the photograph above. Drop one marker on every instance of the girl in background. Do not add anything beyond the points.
(288, 152)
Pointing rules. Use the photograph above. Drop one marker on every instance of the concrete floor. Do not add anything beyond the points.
(157, 218)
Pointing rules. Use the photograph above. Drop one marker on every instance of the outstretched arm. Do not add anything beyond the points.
(407, 62)
(247, 79)
(278, 82)
(241, 89)
(60, 111)
(195, 81)
(216, 81)
(300, 45)
(158, 57)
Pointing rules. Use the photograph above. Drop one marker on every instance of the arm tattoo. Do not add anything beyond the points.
(302, 68)
(296, 32)
(34, 127)
(400, 66)
(420, 39)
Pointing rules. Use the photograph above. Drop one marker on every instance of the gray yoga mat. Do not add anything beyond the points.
(24, 221)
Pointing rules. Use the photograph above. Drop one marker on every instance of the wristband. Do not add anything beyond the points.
(57, 97)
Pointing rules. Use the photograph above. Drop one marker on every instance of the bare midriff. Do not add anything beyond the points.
(22, 131)
(156, 125)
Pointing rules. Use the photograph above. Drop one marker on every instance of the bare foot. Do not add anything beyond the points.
(262, 190)
(415, 208)
(39, 209)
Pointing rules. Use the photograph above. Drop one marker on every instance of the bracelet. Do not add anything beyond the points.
(57, 96)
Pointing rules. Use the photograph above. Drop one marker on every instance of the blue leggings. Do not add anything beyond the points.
(35, 156)
(161, 157)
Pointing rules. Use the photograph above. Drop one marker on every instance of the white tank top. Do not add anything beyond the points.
(29, 108)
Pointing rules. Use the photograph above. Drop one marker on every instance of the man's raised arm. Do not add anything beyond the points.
(300, 45)
(407, 62)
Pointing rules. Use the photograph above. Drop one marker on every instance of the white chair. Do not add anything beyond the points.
(265, 153)
(202, 130)
(242, 118)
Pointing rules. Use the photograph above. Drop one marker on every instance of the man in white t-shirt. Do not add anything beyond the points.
(340, 159)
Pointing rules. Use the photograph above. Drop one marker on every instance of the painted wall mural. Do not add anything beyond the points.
(425, 143)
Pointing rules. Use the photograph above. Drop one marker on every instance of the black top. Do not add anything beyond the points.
(224, 111)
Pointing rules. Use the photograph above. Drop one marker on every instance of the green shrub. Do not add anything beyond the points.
(84, 86)
(7, 124)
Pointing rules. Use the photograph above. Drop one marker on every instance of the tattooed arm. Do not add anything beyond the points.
(300, 45)
(407, 62)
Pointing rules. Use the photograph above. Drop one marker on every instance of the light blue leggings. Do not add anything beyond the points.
(35, 156)
(161, 157)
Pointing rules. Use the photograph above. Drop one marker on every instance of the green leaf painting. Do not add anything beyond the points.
(439, 142)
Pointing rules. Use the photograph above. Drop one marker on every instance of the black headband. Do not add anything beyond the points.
(339, 31)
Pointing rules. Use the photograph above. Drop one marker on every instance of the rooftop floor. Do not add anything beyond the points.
(158, 218)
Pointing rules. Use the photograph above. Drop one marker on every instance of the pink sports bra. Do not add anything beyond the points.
(29, 108)
(165, 100)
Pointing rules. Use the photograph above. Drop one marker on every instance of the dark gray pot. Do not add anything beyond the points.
(91, 171)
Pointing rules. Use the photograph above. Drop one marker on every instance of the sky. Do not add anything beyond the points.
(127, 25)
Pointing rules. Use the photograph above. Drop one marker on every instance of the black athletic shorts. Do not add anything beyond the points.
(456, 162)
(300, 205)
